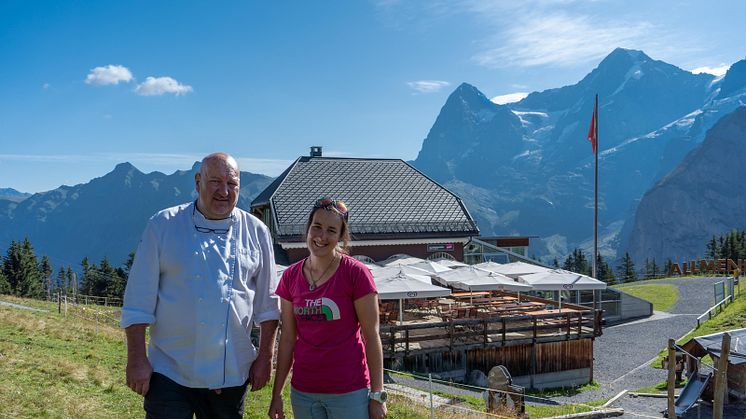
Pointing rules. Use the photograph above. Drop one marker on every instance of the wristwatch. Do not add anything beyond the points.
(379, 396)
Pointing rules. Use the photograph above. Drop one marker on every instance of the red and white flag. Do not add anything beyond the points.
(592, 131)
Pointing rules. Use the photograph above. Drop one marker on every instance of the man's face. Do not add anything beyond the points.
(218, 183)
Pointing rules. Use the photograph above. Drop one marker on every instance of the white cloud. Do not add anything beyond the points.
(110, 74)
(509, 98)
(428, 86)
(46, 86)
(157, 86)
(715, 71)
(558, 39)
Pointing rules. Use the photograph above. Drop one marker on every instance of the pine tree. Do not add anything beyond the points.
(652, 270)
(72, 282)
(577, 262)
(712, 248)
(22, 270)
(11, 266)
(603, 271)
(4, 284)
(555, 263)
(626, 270)
(60, 284)
(88, 280)
(45, 273)
(110, 284)
(667, 266)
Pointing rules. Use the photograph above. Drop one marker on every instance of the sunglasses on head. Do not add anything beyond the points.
(332, 204)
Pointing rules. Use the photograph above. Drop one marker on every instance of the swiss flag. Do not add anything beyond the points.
(592, 131)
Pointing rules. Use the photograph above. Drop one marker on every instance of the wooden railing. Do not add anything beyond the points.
(406, 339)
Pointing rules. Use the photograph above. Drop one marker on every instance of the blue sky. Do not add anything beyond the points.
(86, 85)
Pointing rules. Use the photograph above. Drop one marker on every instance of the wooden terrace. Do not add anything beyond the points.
(467, 321)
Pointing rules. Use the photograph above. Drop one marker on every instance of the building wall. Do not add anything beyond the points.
(379, 253)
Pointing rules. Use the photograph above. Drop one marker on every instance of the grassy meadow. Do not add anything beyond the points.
(57, 366)
(65, 367)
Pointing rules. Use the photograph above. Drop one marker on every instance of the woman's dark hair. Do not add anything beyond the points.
(339, 208)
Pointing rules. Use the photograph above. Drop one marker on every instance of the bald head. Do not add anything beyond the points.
(220, 158)
(217, 183)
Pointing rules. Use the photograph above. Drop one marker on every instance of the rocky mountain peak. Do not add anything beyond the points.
(734, 80)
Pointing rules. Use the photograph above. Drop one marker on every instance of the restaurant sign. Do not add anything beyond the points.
(705, 266)
(441, 247)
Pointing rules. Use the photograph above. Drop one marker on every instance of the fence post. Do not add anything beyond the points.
(432, 408)
(59, 302)
(721, 379)
(671, 379)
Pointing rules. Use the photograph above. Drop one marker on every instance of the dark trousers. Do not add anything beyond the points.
(168, 399)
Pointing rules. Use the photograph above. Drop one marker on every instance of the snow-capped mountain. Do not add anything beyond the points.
(532, 172)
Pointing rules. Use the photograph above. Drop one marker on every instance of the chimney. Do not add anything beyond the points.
(316, 151)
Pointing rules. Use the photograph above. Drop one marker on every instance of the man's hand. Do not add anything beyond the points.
(260, 371)
(138, 375)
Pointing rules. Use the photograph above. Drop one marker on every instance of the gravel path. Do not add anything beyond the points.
(623, 354)
(5, 303)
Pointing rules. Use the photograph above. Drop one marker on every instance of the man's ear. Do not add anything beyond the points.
(197, 179)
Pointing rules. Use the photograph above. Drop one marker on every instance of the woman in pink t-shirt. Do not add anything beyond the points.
(329, 328)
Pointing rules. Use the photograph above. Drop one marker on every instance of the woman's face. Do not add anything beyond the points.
(323, 233)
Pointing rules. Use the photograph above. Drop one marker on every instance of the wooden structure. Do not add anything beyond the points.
(529, 336)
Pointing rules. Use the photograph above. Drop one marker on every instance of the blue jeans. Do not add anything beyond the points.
(167, 399)
(352, 405)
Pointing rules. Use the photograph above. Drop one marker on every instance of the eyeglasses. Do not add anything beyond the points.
(209, 230)
(332, 204)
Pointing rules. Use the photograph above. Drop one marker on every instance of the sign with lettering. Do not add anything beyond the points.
(441, 247)
(707, 266)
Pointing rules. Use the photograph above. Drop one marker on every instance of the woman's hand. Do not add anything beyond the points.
(276, 410)
(377, 410)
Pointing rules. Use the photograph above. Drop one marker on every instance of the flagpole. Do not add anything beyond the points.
(595, 207)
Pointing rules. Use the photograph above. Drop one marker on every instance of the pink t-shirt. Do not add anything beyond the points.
(329, 354)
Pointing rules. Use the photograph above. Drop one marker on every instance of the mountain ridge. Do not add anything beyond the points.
(536, 177)
(105, 216)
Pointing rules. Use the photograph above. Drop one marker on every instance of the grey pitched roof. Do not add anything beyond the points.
(386, 197)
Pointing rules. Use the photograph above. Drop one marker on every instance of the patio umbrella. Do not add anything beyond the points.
(400, 259)
(431, 266)
(450, 263)
(513, 269)
(562, 280)
(470, 278)
(380, 272)
(404, 286)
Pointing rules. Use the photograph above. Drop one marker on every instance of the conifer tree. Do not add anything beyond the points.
(712, 248)
(71, 288)
(61, 281)
(4, 284)
(577, 262)
(667, 266)
(45, 274)
(603, 271)
(652, 269)
(21, 270)
(626, 270)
